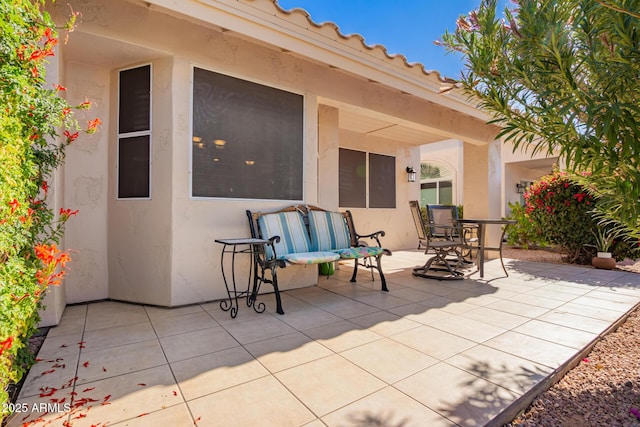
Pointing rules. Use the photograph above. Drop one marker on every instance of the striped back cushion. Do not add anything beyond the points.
(328, 231)
(291, 229)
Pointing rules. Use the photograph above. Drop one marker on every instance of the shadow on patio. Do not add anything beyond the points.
(467, 352)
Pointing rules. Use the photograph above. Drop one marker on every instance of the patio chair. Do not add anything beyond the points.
(445, 239)
(443, 225)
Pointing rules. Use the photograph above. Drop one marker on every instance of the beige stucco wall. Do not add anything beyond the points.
(55, 298)
(511, 155)
(482, 188)
(162, 251)
(86, 175)
(140, 230)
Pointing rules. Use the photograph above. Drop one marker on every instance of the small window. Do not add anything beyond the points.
(356, 169)
(353, 179)
(382, 181)
(133, 170)
(134, 133)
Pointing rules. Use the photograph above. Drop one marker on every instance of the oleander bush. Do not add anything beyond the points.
(562, 77)
(559, 210)
(36, 125)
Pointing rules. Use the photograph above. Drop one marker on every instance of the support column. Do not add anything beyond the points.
(482, 187)
(328, 157)
(475, 187)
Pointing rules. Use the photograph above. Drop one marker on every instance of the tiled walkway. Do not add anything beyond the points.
(427, 353)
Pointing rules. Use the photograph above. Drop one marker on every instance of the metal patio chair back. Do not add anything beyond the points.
(421, 226)
(443, 221)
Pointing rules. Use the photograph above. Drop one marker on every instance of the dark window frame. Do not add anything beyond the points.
(134, 132)
(382, 183)
(352, 183)
(274, 174)
(365, 190)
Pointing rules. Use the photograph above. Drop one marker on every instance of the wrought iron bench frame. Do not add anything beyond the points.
(356, 248)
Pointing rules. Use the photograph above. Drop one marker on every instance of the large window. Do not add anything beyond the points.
(134, 133)
(247, 139)
(354, 167)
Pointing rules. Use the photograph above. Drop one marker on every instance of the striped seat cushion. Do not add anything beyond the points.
(291, 229)
(328, 231)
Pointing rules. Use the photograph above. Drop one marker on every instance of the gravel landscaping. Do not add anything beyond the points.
(604, 389)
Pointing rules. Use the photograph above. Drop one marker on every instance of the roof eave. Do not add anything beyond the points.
(294, 31)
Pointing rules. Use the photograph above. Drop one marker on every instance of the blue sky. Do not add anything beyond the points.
(408, 27)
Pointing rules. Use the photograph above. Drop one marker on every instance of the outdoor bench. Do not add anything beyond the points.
(304, 234)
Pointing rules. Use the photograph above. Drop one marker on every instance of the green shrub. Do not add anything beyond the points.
(615, 238)
(523, 233)
(31, 115)
(625, 247)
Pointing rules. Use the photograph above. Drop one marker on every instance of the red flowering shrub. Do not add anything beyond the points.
(561, 212)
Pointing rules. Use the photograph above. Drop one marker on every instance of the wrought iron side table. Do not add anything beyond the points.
(241, 246)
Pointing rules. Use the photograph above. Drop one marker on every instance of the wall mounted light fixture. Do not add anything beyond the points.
(411, 174)
(520, 188)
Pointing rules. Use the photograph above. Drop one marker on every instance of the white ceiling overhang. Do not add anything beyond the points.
(381, 125)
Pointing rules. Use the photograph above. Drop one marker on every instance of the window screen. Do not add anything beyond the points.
(436, 193)
(353, 178)
(134, 133)
(247, 139)
(134, 100)
(382, 181)
(133, 167)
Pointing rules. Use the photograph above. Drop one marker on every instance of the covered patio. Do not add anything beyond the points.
(471, 352)
(318, 117)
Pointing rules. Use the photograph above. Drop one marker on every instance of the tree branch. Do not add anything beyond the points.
(618, 8)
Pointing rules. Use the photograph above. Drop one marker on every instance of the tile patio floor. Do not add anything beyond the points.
(427, 353)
